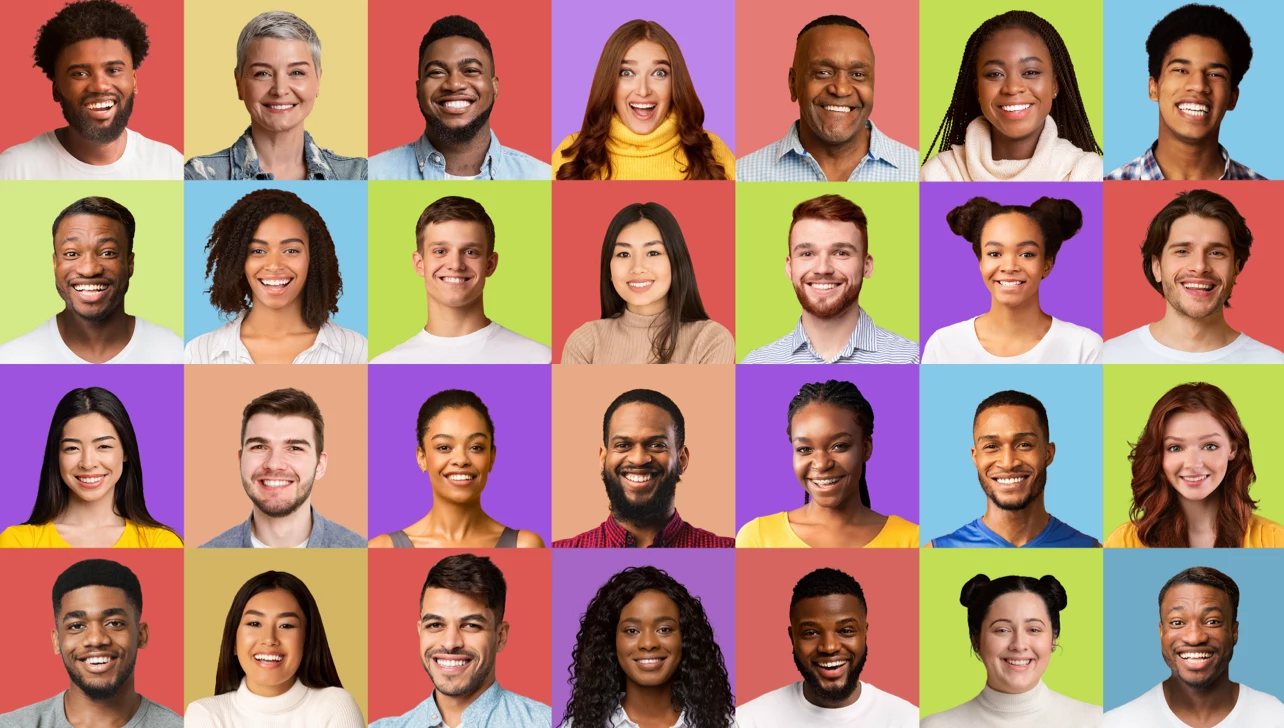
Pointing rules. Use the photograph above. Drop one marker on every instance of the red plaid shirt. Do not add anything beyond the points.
(676, 534)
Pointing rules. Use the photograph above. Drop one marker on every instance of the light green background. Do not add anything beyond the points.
(518, 296)
(1130, 393)
(944, 27)
(29, 297)
(766, 306)
(949, 673)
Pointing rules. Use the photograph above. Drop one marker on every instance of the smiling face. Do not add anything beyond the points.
(94, 84)
(830, 452)
(828, 261)
(1015, 643)
(269, 642)
(644, 88)
(1194, 90)
(457, 88)
(1196, 267)
(832, 80)
(92, 265)
(1012, 259)
(455, 262)
(1197, 634)
(648, 640)
(641, 463)
(1197, 453)
(1015, 84)
(457, 455)
(276, 265)
(640, 270)
(458, 640)
(829, 638)
(279, 463)
(278, 83)
(1012, 455)
(90, 457)
(98, 635)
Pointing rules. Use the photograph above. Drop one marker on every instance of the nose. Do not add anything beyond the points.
(638, 455)
(1007, 458)
(1008, 263)
(648, 640)
(840, 86)
(452, 638)
(829, 642)
(1013, 84)
(1194, 633)
(280, 84)
(275, 459)
(89, 266)
(458, 456)
(454, 80)
(1197, 82)
(643, 85)
(100, 82)
(87, 458)
(95, 635)
(821, 460)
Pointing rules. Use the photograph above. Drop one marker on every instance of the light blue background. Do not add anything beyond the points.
(949, 494)
(1132, 119)
(1133, 578)
(342, 205)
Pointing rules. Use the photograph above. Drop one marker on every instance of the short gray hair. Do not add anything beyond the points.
(282, 25)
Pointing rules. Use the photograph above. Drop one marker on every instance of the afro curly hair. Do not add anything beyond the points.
(87, 19)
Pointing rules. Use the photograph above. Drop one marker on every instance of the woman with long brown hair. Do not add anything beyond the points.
(1191, 471)
(643, 119)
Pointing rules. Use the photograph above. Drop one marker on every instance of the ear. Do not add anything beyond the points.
(1235, 632)
(421, 457)
(1052, 452)
(143, 634)
(1048, 264)
(869, 448)
(601, 456)
(1155, 270)
(1152, 89)
(789, 270)
(236, 80)
(791, 633)
(57, 97)
(501, 637)
(494, 84)
(1056, 89)
(684, 459)
(53, 637)
(1234, 99)
(492, 262)
(321, 463)
(494, 453)
(793, 96)
(974, 462)
(130, 273)
(418, 259)
(869, 266)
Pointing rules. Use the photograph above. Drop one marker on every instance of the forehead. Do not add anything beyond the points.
(459, 232)
(94, 599)
(94, 226)
(1018, 605)
(1006, 418)
(650, 604)
(1193, 424)
(94, 51)
(455, 48)
(820, 418)
(1012, 41)
(825, 232)
(456, 419)
(836, 41)
(1197, 229)
(1198, 47)
(280, 227)
(831, 607)
(642, 231)
(1011, 227)
(639, 419)
(91, 423)
(646, 51)
(1194, 596)
(447, 603)
(274, 601)
(272, 428)
(277, 50)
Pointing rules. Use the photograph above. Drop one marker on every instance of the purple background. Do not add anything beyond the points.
(950, 285)
(519, 491)
(153, 397)
(765, 480)
(709, 574)
(705, 31)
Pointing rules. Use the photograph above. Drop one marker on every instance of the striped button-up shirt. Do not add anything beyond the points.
(1147, 167)
(334, 345)
(676, 534)
(786, 161)
(867, 345)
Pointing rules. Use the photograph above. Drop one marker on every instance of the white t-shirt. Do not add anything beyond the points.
(333, 345)
(298, 707)
(1065, 343)
(45, 158)
(788, 707)
(493, 344)
(150, 344)
(1252, 710)
(1140, 347)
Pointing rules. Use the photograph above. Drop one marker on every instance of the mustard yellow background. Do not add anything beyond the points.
(336, 578)
(214, 118)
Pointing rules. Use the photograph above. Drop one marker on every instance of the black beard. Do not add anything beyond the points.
(457, 135)
(840, 693)
(90, 131)
(479, 677)
(101, 692)
(117, 300)
(652, 512)
(1036, 490)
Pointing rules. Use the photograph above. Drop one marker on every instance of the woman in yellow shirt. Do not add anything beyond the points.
(1191, 471)
(91, 482)
(831, 428)
(643, 119)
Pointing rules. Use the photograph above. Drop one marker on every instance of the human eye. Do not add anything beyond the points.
(261, 74)
(71, 254)
(661, 73)
(841, 446)
(75, 626)
(824, 73)
(630, 630)
(1173, 448)
(626, 72)
(289, 625)
(622, 254)
(253, 623)
(70, 448)
(659, 446)
(1211, 446)
(804, 450)
(116, 623)
(1033, 72)
(257, 251)
(298, 72)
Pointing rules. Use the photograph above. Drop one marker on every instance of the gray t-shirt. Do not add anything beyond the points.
(50, 714)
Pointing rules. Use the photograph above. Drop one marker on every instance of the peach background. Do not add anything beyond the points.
(215, 397)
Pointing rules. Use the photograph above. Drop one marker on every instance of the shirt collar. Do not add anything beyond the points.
(1148, 159)
(619, 534)
(426, 153)
(620, 719)
(864, 337)
(227, 339)
(481, 705)
(246, 158)
(879, 146)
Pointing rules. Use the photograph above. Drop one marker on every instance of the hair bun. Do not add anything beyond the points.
(1060, 217)
(965, 220)
(973, 588)
(1055, 591)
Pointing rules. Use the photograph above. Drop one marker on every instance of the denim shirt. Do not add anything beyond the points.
(241, 161)
(420, 160)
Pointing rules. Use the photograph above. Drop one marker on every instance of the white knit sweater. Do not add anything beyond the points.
(298, 707)
(1040, 707)
(1055, 160)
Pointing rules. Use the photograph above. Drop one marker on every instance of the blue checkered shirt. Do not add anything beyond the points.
(786, 161)
(868, 345)
(420, 160)
(1147, 167)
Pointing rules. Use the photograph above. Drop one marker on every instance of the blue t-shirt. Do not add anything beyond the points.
(976, 535)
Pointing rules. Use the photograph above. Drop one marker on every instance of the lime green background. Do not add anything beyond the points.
(1130, 393)
(949, 673)
(29, 298)
(944, 27)
(520, 294)
(766, 306)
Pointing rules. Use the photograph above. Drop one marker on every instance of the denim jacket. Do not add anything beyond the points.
(241, 161)
(420, 160)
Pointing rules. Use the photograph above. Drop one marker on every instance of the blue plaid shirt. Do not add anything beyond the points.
(420, 160)
(868, 345)
(786, 161)
(1147, 167)
(494, 708)
(241, 161)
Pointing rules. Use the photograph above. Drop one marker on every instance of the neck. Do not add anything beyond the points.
(838, 161)
(850, 511)
(1017, 527)
(454, 521)
(270, 691)
(1026, 315)
(270, 322)
(114, 711)
(1002, 147)
(654, 309)
(830, 335)
(90, 152)
(109, 335)
(1201, 519)
(463, 158)
(452, 707)
(1182, 159)
(283, 532)
(649, 702)
(1181, 332)
(1219, 697)
(100, 513)
(645, 533)
(280, 152)
(449, 321)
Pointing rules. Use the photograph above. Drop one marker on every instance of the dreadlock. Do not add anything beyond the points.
(843, 395)
(1067, 110)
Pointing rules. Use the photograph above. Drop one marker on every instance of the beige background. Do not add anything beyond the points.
(214, 500)
(705, 393)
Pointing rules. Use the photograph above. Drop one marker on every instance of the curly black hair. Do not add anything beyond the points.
(1207, 21)
(700, 685)
(90, 19)
(229, 243)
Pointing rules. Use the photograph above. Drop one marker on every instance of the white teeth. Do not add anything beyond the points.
(102, 105)
(824, 481)
(1009, 481)
(280, 107)
(460, 477)
(649, 660)
(641, 284)
(1010, 284)
(1195, 655)
(275, 283)
(91, 288)
(95, 480)
(459, 104)
(832, 665)
(276, 483)
(823, 286)
(451, 663)
(453, 279)
(98, 660)
(270, 658)
(637, 477)
(1016, 107)
(1198, 286)
(839, 109)
(1200, 109)
(643, 107)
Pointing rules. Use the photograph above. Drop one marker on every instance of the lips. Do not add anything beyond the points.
(275, 286)
(451, 664)
(90, 292)
(831, 669)
(1196, 659)
(279, 108)
(638, 479)
(1016, 111)
(643, 110)
(456, 105)
(837, 109)
(1193, 111)
(823, 287)
(824, 484)
(640, 286)
(275, 483)
(1197, 287)
(1018, 663)
(90, 481)
(1010, 285)
(455, 280)
(101, 108)
(98, 663)
(649, 664)
(269, 660)
(1011, 480)
(462, 479)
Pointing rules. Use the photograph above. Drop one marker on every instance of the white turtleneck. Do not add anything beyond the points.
(298, 707)
(1041, 707)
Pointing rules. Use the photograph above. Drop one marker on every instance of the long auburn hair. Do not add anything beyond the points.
(53, 495)
(683, 302)
(588, 158)
(1156, 509)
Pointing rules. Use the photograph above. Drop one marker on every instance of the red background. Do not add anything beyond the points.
(520, 35)
(581, 213)
(32, 672)
(158, 110)
(398, 681)
(765, 580)
(1131, 302)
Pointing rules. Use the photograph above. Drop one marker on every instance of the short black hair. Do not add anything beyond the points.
(98, 572)
(455, 25)
(1207, 21)
(1013, 398)
(1204, 576)
(831, 20)
(825, 582)
(651, 397)
(90, 19)
(473, 576)
(102, 207)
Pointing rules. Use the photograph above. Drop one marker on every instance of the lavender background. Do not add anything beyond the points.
(705, 31)
(765, 481)
(518, 492)
(153, 397)
(950, 285)
(709, 574)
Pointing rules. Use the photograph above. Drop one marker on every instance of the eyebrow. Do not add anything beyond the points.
(82, 614)
(100, 438)
(89, 66)
(657, 62)
(445, 436)
(834, 436)
(839, 244)
(1010, 621)
(999, 62)
(257, 613)
(289, 441)
(269, 65)
(1210, 436)
(638, 620)
(102, 238)
(477, 617)
(283, 242)
(1034, 435)
(1020, 244)
(445, 66)
(1187, 62)
(836, 64)
(1212, 244)
(645, 438)
(618, 243)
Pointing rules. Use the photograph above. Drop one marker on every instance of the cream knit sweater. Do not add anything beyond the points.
(1055, 160)
(1040, 707)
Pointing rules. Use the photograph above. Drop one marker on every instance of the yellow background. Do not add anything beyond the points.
(214, 118)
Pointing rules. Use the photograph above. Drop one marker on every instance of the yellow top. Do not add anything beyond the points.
(47, 537)
(658, 155)
(1262, 533)
(774, 532)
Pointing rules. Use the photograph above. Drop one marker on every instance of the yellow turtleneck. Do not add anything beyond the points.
(658, 155)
